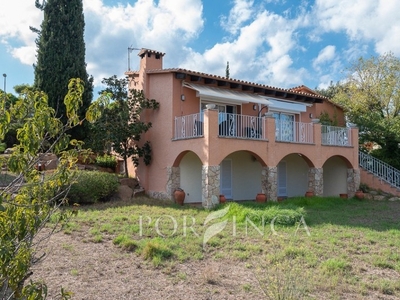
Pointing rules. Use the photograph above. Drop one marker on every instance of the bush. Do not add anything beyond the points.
(2, 147)
(106, 161)
(92, 187)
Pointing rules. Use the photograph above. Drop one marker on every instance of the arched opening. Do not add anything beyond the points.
(190, 167)
(292, 177)
(241, 176)
(335, 176)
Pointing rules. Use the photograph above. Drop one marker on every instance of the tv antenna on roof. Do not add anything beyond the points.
(130, 49)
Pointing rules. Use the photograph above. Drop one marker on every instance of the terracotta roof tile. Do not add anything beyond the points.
(295, 90)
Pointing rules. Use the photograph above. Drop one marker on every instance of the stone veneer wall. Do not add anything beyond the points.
(173, 181)
(269, 182)
(211, 181)
(316, 181)
(353, 181)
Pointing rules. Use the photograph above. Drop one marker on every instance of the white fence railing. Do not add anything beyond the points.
(189, 126)
(380, 169)
(241, 126)
(294, 132)
(336, 136)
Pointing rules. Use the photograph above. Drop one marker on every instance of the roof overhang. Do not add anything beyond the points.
(207, 93)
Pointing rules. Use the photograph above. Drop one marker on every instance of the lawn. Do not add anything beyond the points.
(311, 248)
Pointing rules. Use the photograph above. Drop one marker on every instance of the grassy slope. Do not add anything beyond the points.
(339, 247)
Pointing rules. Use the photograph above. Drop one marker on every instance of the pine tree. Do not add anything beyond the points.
(61, 55)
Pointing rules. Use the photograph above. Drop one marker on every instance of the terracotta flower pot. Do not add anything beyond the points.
(261, 198)
(359, 195)
(344, 196)
(179, 196)
(222, 199)
(309, 194)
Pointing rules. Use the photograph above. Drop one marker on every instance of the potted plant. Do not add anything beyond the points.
(179, 196)
(261, 198)
(222, 199)
(309, 194)
(359, 194)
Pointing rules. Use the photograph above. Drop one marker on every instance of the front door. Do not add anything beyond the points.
(226, 178)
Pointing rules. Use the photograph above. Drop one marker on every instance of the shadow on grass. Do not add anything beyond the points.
(376, 215)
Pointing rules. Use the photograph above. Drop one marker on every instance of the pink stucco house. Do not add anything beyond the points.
(214, 135)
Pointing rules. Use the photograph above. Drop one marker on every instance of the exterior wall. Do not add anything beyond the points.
(190, 179)
(335, 112)
(297, 175)
(246, 176)
(335, 177)
(376, 183)
(209, 150)
(159, 135)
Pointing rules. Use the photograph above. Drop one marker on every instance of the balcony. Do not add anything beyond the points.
(245, 127)
(294, 132)
(335, 136)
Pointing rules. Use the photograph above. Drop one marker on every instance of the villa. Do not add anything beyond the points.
(214, 135)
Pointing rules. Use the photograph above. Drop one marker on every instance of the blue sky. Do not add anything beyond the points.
(282, 43)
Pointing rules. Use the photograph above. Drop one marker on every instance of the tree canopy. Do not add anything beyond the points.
(370, 96)
(61, 55)
(29, 198)
(120, 126)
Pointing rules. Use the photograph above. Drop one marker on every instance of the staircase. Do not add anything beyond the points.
(378, 174)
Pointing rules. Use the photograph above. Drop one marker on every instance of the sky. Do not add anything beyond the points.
(281, 43)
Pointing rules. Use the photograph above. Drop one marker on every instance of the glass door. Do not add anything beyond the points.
(284, 127)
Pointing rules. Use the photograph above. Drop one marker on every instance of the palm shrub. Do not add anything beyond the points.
(92, 187)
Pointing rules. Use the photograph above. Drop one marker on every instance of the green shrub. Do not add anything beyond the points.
(2, 147)
(106, 161)
(92, 187)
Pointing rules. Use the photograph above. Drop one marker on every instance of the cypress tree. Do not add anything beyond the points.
(61, 55)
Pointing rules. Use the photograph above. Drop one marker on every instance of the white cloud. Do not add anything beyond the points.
(165, 27)
(260, 52)
(15, 19)
(373, 21)
(109, 31)
(324, 56)
(240, 13)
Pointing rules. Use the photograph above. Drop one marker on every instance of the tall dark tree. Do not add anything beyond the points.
(61, 55)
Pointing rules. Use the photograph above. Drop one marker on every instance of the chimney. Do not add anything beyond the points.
(150, 59)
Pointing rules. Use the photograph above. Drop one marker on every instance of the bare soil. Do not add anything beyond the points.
(103, 271)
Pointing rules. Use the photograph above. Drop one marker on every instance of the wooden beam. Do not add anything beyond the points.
(180, 75)
(247, 88)
(195, 78)
(209, 81)
(234, 85)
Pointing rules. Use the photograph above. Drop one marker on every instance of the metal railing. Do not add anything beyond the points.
(294, 132)
(241, 126)
(335, 136)
(189, 126)
(380, 169)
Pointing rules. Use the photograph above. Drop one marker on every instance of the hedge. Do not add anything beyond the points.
(92, 187)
